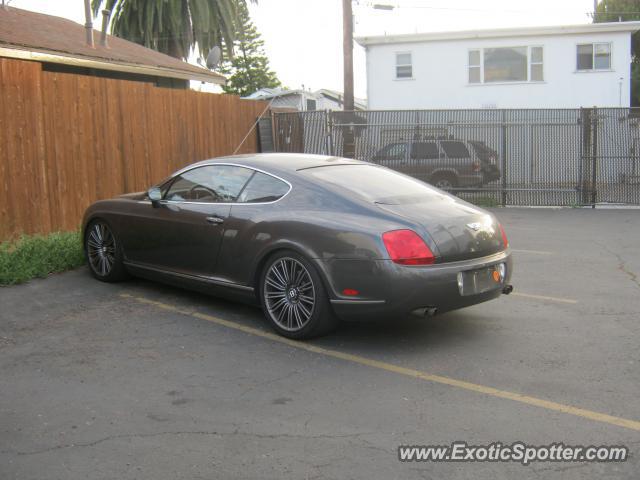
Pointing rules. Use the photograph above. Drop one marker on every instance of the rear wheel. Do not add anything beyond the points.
(104, 253)
(294, 299)
(444, 181)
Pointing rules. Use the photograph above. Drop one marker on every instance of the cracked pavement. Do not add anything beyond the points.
(96, 386)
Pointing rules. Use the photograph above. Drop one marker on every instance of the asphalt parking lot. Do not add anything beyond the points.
(138, 380)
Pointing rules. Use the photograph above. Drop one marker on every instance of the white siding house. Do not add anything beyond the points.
(534, 67)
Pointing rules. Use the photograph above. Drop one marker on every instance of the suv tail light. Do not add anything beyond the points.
(405, 247)
(505, 242)
(476, 166)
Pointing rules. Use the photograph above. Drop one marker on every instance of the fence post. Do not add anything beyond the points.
(586, 185)
(274, 131)
(594, 157)
(329, 127)
(504, 157)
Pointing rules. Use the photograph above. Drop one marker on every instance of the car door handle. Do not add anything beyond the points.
(215, 220)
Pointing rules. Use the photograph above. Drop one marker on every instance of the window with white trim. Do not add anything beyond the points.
(404, 66)
(593, 56)
(536, 70)
(475, 70)
(506, 64)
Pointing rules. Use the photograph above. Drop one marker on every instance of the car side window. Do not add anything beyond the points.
(395, 151)
(424, 150)
(454, 149)
(209, 184)
(263, 188)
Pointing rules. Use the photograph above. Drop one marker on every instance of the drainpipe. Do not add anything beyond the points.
(88, 26)
(105, 25)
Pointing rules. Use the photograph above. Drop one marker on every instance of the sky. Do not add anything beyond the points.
(303, 38)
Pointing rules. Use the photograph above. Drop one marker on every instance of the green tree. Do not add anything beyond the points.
(248, 70)
(626, 11)
(174, 27)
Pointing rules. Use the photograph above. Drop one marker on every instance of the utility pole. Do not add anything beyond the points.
(347, 49)
(348, 134)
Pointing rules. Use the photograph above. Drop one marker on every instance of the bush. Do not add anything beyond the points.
(36, 256)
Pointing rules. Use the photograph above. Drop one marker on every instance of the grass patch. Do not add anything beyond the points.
(484, 202)
(36, 256)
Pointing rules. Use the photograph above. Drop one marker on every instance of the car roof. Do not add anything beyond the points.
(281, 162)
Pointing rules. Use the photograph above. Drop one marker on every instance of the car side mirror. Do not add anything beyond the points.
(155, 195)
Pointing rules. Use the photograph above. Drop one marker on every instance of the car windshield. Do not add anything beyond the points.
(376, 184)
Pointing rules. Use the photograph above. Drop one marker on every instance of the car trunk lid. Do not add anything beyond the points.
(459, 230)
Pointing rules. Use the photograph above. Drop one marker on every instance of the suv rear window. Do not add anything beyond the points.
(454, 149)
(483, 151)
(377, 184)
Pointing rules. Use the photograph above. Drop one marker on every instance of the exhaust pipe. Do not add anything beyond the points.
(507, 289)
(425, 312)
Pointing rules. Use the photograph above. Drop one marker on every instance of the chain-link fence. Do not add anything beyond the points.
(503, 157)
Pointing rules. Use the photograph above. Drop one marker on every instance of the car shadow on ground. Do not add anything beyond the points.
(393, 336)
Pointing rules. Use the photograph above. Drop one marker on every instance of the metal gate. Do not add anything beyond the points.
(502, 157)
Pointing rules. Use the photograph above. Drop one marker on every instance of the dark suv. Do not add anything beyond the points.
(447, 163)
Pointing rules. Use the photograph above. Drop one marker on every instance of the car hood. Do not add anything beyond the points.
(460, 230)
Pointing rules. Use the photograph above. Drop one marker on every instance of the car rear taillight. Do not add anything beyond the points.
(407, 248)
(505, 242)
(476, 166)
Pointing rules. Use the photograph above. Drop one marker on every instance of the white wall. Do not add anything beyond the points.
(441, 76)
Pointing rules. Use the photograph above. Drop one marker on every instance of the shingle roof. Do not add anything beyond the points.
(45, 38)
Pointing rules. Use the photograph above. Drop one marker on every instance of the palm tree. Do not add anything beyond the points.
(174, 27)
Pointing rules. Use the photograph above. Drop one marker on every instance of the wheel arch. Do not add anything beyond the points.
(264, 257)
(444, 172)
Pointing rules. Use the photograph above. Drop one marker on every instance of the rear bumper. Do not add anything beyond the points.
(471, 180)
(391, 291)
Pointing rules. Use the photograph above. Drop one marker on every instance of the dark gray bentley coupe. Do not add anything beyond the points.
(313, 239)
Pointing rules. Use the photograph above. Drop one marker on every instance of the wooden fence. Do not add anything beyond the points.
(67, 140)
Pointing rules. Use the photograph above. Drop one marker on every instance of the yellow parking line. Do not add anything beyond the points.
(535, 252)
(543, 297)
(409, 372)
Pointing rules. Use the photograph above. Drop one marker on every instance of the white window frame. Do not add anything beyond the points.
(593, 57)
(480, 65)
(396, 65)
(529, 63)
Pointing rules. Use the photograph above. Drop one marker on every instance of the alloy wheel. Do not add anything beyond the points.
(444, 184)
(289, 294)
(101, 249)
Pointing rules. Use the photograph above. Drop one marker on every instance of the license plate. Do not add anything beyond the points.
(473, 282)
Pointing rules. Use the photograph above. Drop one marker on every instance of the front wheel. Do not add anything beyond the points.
(294, 299)
(104, 253)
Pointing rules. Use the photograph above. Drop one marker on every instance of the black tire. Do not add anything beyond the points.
(286, 279)
(103, 252)
(444, 181)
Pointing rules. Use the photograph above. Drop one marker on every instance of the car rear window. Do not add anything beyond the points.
(376, 184)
